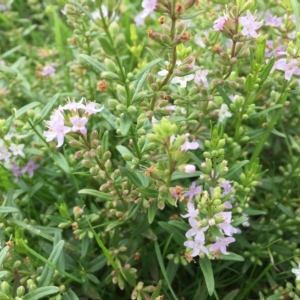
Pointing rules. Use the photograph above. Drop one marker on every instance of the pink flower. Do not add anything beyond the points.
(189, 145)
(79, 124)
(200, 75)
(192, 192)
(273, 21)
(49, 70)
(192, 212)
(29, 168)
(221, 244)
(291, 68)
(90, 108)
(149, 6)
(16, 170)
(250, 26)
(4, 153)
(57, 129)
(219, 23)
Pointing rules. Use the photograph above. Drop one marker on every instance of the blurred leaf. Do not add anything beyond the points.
(157, 291)
(236, 166)
(231, 256)
(181, 175)
(93, 62)
(49, 106)
(148, 192)
(206, 268)
(162, 268)
(61, 162)
(285, 210)
(125, 123)
(253, 212)
(132, 176)
(231, 295)
(146, 68)
(70, 295)
(6, 209)
(152, 209)
(107, 47)
(41, 293)
(98, 194)
(48, 271)
(108, 116)
(3, 254)
(178, 236)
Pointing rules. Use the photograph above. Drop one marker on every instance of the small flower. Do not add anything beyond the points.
(4, 153)
(297, 272)
(197, 246)
(183, 80)
(226, 187)
(90, 108)
(219, 23)
(16, 170)
(73, 105)
(273, 21)
(192, 212)
(221, 244)
(30, 168)
(200, 75)
(291, 68)
(193, 191)
(149, 6)
(79, 124)
(17, 149)
(224, 112)
(49, 70)
(189, 145)
(250, 26)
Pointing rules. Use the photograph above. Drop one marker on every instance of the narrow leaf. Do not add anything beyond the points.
(93, 62)
(98, 194)
(3, 254)
(48, 271)
(146, 68)
(125, 123)
(41, 292)
(206, 268)
(5, 209)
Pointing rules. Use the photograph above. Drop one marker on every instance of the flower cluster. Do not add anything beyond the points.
(212, 233)
(61, 123)
(11, 150)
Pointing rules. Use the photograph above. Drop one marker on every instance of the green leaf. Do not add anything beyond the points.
(107, 47)
(231, 256)
(231, 295)
(103, 248)
(108, 116)
(148, 192)
(266, 71)
(132, 176)
(98, 194)
(152, 209)
(253, 212)
(123, 150)
(3, 254)
(265, 111)
(114, 224)
(3, 274)
(295, 5)
(156, 291)
(224, 96)
(178, 236)
(163, 269)
(285, 210)
(5, 210)
(94, 63)
(139, 85)
(129, 277)
(125, 123)
(61, 162)
(239, 221)
(49, 106)
(70, 295)
(205, 265)
(48, 271)
(41, 292)
(233, 169)
(146, 68)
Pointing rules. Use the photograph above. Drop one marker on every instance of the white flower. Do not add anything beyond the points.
(297, 272)
(4, 153)
(17, 149)
(183, 80)
(224, 113)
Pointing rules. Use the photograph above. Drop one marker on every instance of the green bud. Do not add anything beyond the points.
(249, 83)
(110, 76)
(87, 163)
(64, 224)
(127, 157)
(221, 144)
(207, 154)
(5, 288)
(20, 291)
(114, 29)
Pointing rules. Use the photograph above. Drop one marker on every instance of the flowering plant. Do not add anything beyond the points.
(142, 147)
